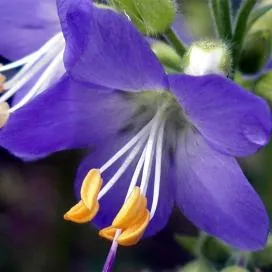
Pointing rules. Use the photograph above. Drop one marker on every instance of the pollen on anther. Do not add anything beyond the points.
(4, 113)
(2, 81)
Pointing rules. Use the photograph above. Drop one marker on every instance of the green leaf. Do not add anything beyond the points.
(264, 257)
(234, 269)
(149, 16)
(215, 251)
(197, 266)
(257, 14)
(189, 243)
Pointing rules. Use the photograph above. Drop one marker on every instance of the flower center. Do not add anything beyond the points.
(45, 66)
(159, 112)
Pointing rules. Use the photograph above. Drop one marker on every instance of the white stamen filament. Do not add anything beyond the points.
(150, 153)
(123, 167)
(126, 147)
(151, 138)
(136, 174)
(158, 166)
(41, 83)
(19, 62)
(17, 84)
(50, 54)
(56, 41)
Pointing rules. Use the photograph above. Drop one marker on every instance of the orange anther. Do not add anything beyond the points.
(141, 211)
(90, 188)
(80, 213)
(86, 209)
(108, 232)
(4, 113)
(132, 220)
(131, 236)
(129, 210)
(2, 81)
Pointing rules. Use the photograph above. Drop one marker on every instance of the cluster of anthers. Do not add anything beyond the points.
(131, 221)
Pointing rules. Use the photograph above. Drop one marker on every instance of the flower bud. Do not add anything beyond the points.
(255, 52)
(167, 55)
(149, 16)
(234, 269)
(197, 266)
(207, 57)
(263, 88)
(265, 21)
(263, 257)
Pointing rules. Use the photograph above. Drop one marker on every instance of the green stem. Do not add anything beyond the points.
(215, 15)
(241, 29)
(225, 15)
(221, 13)
(175, 41)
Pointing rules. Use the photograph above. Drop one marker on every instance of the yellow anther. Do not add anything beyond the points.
(141, 211)
(2, 81)
(131, 236)
(132, 220)
(86, 209)
(4, 113)
(129, 210)
(108, 232)
(90, 188)
(80, 213)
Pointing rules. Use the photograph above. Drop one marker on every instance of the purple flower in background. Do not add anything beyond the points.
(155, 139)
(32, 39)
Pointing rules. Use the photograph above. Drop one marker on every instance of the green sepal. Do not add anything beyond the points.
(263, 258)
(255, 52)
(149, 16)
(197, 266)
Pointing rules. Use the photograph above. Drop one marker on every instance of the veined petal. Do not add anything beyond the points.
(231, 119)
(214, 194)
(112, 201)
(67, 115)
(103, 47)
(25, 25)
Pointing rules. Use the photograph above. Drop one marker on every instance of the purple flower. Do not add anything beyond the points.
(32, 39)
(155, 139)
